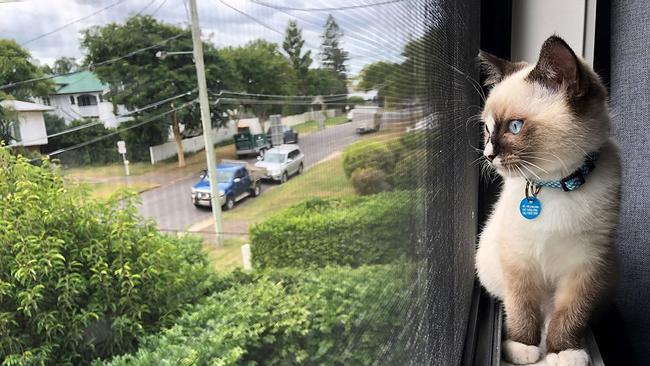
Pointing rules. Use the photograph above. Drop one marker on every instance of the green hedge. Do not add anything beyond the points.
(351, 231)
(369, 181)
(81, 279)
(369, 154)
(329, 316)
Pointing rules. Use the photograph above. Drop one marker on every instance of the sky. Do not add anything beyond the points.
(373, 33)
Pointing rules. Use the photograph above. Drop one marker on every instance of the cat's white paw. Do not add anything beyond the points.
(519, 353)
(569, 357)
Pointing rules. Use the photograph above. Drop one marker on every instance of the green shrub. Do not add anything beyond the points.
(352, 231)
(369, 181)
(330, 316)
(80, 279)
(409, 172)
(371, 154)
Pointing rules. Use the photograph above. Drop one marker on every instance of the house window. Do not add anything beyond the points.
(86, 100)
(72, 100)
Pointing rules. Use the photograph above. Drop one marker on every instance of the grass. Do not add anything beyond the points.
(228, 257)
(325, 180)
(105, 190)
(311, 126)
(193, 162)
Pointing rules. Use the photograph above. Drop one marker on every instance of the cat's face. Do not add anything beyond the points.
(540, 121)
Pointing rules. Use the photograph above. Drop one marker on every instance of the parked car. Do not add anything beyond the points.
(250, 139)
(350, 115)
(366, 118)
(236, 179)
(289, 136)
(281, 162)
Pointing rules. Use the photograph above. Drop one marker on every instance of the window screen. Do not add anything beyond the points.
(359, 251)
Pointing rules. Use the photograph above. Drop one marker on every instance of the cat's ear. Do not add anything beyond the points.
(558, 67)
(496, 68)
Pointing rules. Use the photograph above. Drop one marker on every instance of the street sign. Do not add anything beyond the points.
(121, 147)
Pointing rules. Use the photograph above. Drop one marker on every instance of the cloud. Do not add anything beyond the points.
(371, 34)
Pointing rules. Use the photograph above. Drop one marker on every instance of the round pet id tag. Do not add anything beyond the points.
(530, 207)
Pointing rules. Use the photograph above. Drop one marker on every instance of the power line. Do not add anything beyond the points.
(349, 7)
(252, 18)
(279, 95)
(72, 22)
(158, 8)
(89, 142)
(92, 66)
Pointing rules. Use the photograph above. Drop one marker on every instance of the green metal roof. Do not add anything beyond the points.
(79, 82)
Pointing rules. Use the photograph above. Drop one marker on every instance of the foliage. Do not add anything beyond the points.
(53, 123)
(318, 232)
(62, 65)
(16, 65)
(81, 279)
(355, 99)
(369, 181)
(330, 316)
(333, 57)
(369, 154)
(8, 120)
(292, 45)
(409, 170)
(262, 69)
(325, 82)
(101, 152)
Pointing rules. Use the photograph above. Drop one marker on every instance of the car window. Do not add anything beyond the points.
(274, 157)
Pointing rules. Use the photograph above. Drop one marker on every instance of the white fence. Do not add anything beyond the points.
(297, 119)
(192, 144)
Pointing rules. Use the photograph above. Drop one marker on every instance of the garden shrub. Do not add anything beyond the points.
(350, 231)
(369, 154)
(329, 316)
(81, 279)
(407, 174)
(369, 181)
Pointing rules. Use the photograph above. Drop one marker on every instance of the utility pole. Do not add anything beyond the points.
(205, 120)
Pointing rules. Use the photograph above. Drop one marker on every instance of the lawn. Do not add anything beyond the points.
(311, 126)
(228, 257)
(105, 190)
(325, 179)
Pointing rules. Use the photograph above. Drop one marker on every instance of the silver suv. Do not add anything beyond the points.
(281, 162)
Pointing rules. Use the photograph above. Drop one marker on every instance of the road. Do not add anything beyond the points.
(170, 205)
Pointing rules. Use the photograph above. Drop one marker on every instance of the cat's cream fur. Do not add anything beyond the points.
(551, 272)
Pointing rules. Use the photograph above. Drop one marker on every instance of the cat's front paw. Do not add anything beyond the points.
(569, 357)
(519, 353)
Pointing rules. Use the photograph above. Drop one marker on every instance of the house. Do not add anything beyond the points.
(30, 130)
(81, 95)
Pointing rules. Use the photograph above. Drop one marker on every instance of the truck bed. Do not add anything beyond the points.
(255, 172)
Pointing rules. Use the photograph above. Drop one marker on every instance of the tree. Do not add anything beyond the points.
(143, 78)
(292, 45)
(16, 65)
(65, 65)
(261, 69)
(7, 122)
(333, 57)
(325, 82)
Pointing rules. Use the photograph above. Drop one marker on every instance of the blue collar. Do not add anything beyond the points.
(574, 180)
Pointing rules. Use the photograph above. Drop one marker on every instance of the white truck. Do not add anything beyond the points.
(366, 118)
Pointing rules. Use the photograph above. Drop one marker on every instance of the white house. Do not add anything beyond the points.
(81, 95)
(30, 129)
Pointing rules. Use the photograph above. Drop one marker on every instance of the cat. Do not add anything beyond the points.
(547, 250)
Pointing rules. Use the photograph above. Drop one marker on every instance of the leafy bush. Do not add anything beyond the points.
(352, 231)
(370, 154)
(408, 172)
(330, 316)
(369, 181)
(80, 279)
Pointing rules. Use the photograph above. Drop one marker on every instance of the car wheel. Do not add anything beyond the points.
(257, 190)
(284, 178)
(300, 168)
(230, 203)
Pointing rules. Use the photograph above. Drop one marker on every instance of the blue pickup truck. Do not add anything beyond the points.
(236, 181)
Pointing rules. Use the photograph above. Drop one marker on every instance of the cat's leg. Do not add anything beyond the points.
(574, 301)
(523, 317)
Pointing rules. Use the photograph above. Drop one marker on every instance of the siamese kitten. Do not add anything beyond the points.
(547, 250)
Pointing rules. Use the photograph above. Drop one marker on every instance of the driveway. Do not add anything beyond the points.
(170, 205)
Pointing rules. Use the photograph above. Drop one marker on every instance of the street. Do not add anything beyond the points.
(170, 205)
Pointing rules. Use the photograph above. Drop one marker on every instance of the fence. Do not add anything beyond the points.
(192, 144)
(308, 116)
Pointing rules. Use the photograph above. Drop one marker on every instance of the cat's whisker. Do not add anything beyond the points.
(531, 171)
(534, 165)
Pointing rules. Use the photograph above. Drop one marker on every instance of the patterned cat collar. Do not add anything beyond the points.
(574, 180)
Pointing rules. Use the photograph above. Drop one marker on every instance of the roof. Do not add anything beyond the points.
(20, 106)
(78, 82)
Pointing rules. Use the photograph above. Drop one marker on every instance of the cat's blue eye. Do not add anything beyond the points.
(515, 126)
